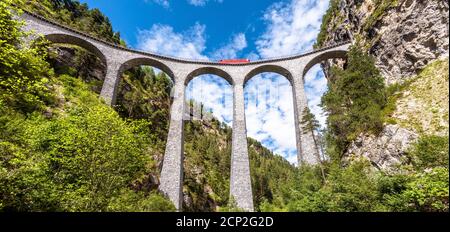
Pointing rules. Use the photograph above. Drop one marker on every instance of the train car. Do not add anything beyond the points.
(234, 61)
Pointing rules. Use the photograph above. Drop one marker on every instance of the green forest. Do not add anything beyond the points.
(63, 149)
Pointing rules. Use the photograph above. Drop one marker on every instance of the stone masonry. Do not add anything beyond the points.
(118, 59)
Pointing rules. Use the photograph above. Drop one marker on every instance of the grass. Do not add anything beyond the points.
(421, 103)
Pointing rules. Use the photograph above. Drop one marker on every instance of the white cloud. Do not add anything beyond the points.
(232, 49)
(163, 3)
(190, 44)
(291, 28)
(213, 91)
(162, 39)
(269, 113)
(201, 2)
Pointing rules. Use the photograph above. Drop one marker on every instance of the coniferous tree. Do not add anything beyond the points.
(354, 102)
(311, 125)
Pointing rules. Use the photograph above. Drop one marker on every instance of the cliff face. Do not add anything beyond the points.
(403, 35)
(406, 37)
(78, 62)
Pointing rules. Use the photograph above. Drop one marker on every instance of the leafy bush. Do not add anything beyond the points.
(346, 189)
(423, 191)
(130, 201)
(428, 192)
(24, 73)
(76, 15)
(80, 161)
(430, 151)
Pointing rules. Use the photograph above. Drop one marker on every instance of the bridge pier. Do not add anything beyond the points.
(172, 169)
(111, 82)
(307, 152)
(240, 179)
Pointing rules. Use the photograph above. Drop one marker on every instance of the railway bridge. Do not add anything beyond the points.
(118, 59)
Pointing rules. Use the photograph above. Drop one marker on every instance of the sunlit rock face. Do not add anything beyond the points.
(408, 36)
(384, 151)
(411, 36)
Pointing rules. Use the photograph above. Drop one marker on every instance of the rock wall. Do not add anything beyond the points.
(384, 151)
(404, 36)
(78, 62)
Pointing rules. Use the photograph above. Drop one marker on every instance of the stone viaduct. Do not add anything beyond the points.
(118, 59)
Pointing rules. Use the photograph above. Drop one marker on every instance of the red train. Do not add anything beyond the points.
(234, 61)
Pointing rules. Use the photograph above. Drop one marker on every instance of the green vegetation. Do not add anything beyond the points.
(271, 174)
(355, 100)
(421, 104)
(207, 165)
(311, 125)
(356, 103)
(70, 154)
(75, 15)
(381, 7)
(146, 96)
(63, 149)
(422, 186)
(394, 92)
(430, 151)
(24, 74)
(83, 64)
(78, 160)
(326, 20)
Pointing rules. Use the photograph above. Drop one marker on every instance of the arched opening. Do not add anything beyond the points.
(207, 140)
(144, 61)
(143, 96)
(270, 122)
(68, 39)
(316, 85)
(334, 54)
(76, 57)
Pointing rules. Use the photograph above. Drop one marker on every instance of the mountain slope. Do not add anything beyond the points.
(406, 39)
(388, 147)
(73, 172)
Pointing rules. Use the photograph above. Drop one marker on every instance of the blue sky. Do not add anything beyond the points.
(220, 29)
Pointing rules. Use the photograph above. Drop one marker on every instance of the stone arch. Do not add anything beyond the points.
(221, 75)
(197, 113)
(289, 90)
(69, 39)
(147, 62)
(269, 68)
(209, 70)
(333, 54)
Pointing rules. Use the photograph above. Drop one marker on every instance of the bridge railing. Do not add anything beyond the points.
(178, 59)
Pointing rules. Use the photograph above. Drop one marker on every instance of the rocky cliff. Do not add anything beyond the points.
(403, 35)
(410, 42)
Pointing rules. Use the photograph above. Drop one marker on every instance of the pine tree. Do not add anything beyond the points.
(311, 125)
(354, 102)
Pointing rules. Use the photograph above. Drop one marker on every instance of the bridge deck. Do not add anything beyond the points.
(183, 60)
